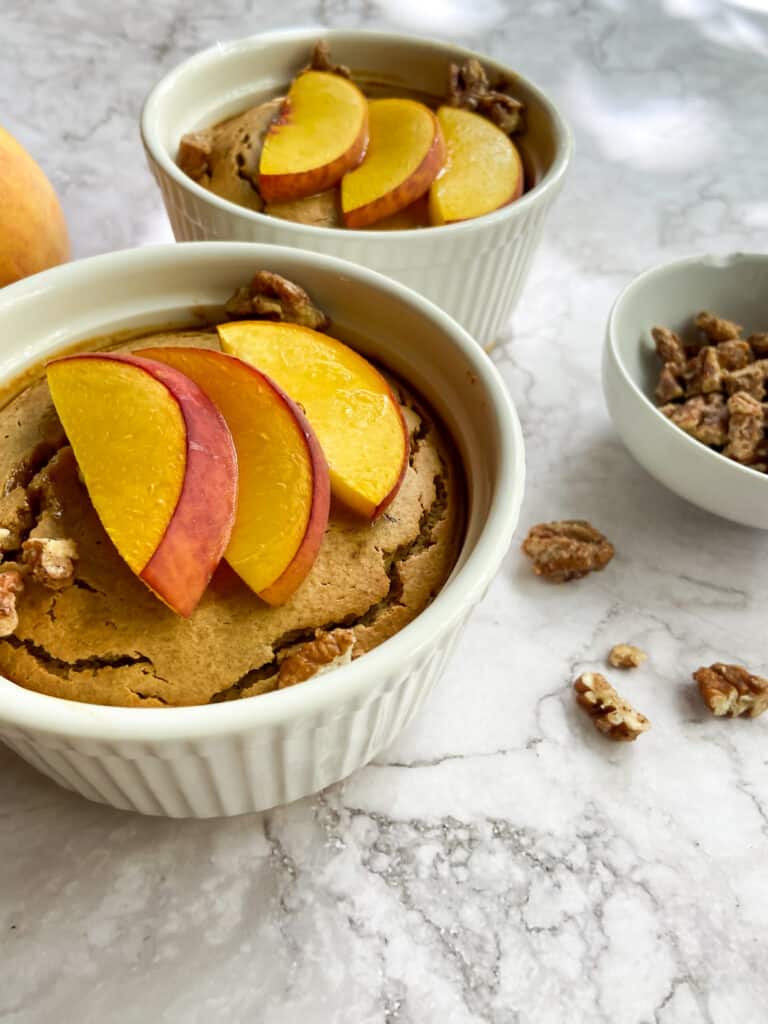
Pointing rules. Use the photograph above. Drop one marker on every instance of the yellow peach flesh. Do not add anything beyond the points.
(283, 488)
(118, 418)
(483, 169)
(347, 401)
(320, 134)
(405, 153)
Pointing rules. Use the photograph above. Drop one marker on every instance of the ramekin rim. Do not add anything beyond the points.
(658, 270)
(159, 154)
(59, 717)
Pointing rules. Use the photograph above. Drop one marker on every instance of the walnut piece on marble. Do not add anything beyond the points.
(315, 657)
(626, 656)
(11, 585)
(469, 88)
(50, 561)
(567, 550)
(732, 690)
(272, 297)
(612, 715)
(716, 328)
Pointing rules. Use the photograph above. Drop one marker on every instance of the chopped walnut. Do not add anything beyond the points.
(715, 328)
(669, 346)
(759, 344)
(11, 585)
(732, 690)
(321, 61)
(327, 651)
(759, 458)
(706, 419)
(745, 427)
(669, 386)
(468, 87)
(50, 561)
(567, 550)
(194, 156)
(734, 355)
(272, 297)
(707, 376)
(613, 716)
(626, 656)
(16, 518)
(750, 379)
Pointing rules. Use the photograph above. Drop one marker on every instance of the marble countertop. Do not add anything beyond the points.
(501, 863)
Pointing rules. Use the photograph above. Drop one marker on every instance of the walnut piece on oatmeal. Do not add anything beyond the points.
(732, 690)
(51, 561)
(272, 297)
(626, 656)
(567, 550)
(613, 716)
(327, 651)
(321, 61)
(194, 156)
(11, 585)
(469, 88)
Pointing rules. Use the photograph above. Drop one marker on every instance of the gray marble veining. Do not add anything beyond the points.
(501, 863)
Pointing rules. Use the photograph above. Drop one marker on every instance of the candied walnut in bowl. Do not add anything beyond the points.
(683, 378)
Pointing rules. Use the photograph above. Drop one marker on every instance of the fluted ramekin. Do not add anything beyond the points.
(475, 269)
(257, 752)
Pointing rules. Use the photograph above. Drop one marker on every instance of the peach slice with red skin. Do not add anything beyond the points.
(320, 133)
(405, 153)
(483, 170)
(349, 404)
(159, 465)
(283, 484)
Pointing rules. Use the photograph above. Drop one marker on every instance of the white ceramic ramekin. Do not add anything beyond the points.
(474, 270)
(733, 286)
(252, 754)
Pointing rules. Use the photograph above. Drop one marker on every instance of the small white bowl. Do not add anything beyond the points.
(475, 270)
(254, 753)
(735, 287)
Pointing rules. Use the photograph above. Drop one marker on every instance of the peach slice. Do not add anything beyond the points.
(405, 153)
(320, 133)
(349, 404)
(483, 170)
(159, 465)
(283, 485)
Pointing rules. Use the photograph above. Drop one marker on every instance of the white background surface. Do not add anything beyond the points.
(501, 863)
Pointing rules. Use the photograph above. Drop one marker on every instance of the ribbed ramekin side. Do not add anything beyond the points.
(249, 771)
